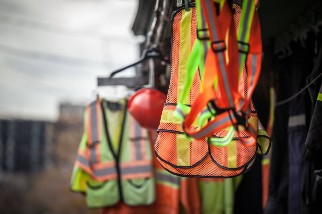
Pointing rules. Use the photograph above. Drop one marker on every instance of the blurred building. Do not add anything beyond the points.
(69, 111)
(25, 145)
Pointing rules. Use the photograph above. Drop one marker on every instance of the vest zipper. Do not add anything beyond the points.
(109, 143)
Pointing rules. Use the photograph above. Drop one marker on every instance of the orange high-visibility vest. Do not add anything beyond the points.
(117, 171)
(195, 155)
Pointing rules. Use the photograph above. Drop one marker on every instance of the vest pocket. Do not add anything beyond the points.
(102, 194)
(138, 183)
(139, 191)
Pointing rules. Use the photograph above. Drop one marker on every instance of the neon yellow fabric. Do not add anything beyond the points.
(265, 160)
(101, 194)
(136, 191)
(169, 117)
(232, 154)
(184, 50)
(183, 147)
(113, 123)
(78, 181)
(225, 140)
(79, 177)
(319, 97)
(218, 195)
(242, 26)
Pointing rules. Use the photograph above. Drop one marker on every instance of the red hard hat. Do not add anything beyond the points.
(146, 107)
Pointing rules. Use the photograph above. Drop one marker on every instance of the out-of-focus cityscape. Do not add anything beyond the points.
(36, 161)
(50, 55)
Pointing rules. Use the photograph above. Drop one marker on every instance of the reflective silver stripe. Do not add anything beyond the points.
(136, 170)
(246, 19)
(220, 55)
(243, 47)
(179, 111)
(223, 74)
(212, 22)
(82, 160)
(94, 128)
(248, 141)
(210, 128)
(94, 132)
(97, 172)
(297, 120)
(137, 140)
(241, 103)
(253, 69)
(253, 72)
(104, 172)
(252, 130)
(161, 177)
(212, 110)
(239, 58)
(204, 112)
(93, 154)
(204, 43)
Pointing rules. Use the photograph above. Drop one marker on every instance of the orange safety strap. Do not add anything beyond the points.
(254, 60)
(216, 66)
(228, 82)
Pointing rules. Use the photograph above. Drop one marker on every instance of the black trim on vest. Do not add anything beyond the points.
(208, 176)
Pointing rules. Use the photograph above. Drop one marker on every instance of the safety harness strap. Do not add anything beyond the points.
(215, 56)
(216, 67)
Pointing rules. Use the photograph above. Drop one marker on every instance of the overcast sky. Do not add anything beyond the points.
(53, 50)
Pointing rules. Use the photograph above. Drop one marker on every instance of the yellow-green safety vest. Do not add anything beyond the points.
(114, 160)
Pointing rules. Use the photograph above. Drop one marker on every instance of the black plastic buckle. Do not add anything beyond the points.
(205, 36)
(243, 47)
(218, 46)
(241, 119)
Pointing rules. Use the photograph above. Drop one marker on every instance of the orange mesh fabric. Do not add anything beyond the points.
(185, 156)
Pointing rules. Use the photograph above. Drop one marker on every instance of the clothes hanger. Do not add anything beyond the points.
(113, 93)
(151, 52)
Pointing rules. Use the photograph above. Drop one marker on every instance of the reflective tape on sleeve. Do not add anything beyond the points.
(97, 171)
(296, 120)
